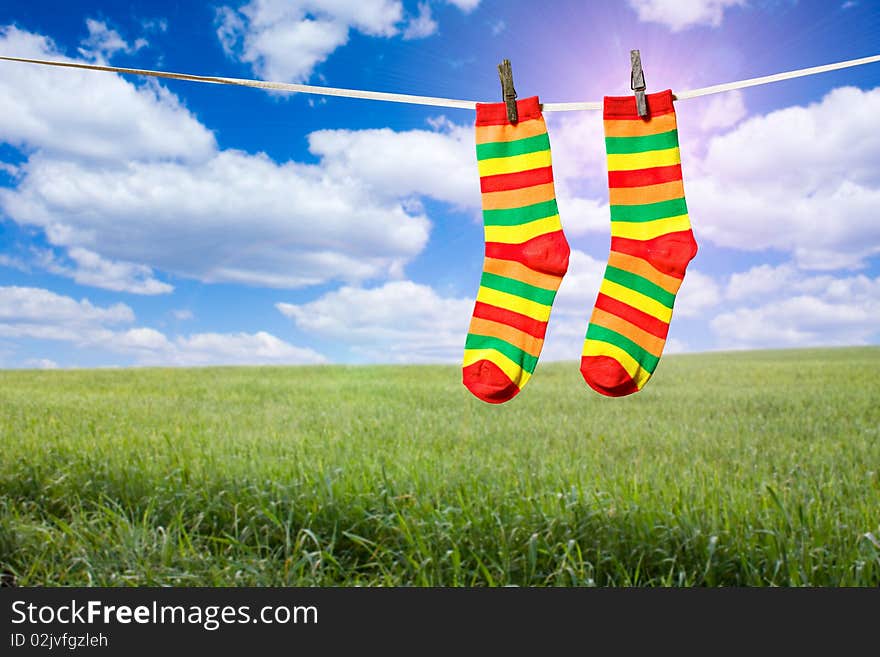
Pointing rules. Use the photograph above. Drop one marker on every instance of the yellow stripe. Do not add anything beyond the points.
(514, 163)
(513, 371)
(635, 299)
(523, 232)
(627, 362)
(646, 160)
(512, 302)
(648, 230)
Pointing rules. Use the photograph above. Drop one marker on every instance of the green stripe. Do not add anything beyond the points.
(518, 288)
(624, 145)
(516, 147)
(517, 355)
(639, 284)
(649, 211)
(517, 216)
(647, 360)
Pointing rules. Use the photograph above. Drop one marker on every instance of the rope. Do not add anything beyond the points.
(430, 100)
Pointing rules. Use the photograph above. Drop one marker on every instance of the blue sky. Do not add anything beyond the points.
(173, 223)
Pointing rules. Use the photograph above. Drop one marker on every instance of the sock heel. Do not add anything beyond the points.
(547, 254)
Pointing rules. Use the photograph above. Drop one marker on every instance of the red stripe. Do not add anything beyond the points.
(635, 316)
(624, 107)
(670, 253)
(508, 317)
(642, 177)
(496, 113)
(547, 253)
(506, 181)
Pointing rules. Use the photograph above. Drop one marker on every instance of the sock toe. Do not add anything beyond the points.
(607, 377)
(488, 382)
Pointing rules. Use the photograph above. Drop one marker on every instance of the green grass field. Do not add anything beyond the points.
(754, 468)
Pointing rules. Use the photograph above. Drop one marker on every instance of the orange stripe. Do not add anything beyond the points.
(528, 343)
(517, 198)
(519, 272)
(645, 269)
(648, 342)
(647, 194)
(507, 132)
(639, 127)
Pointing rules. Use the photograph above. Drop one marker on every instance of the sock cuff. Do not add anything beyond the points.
(624, 107)
(496, 113)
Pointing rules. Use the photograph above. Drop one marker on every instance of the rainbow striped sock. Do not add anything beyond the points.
(651, 246)
(526, 251)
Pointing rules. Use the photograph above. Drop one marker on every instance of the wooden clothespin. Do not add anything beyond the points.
(507, 90)
(637, 83)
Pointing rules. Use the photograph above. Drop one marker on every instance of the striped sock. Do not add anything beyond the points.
(651, 246)
(526, 251)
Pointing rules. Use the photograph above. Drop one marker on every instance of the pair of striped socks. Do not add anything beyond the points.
(527, 253)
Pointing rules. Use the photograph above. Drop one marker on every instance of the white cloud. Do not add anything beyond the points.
(421, 25)
(103, 42)
(259, 348)
(151, 347)
(234, 218)
(155, 24)
(572, 308)
(91, 269)
(787, 308)
(400, 321)
(88, 115)
(698, 293)
(675, 346)
(41, 364)
(27, 312)
(680, 14)
(401, 164)
(182, 314)
(285, 40)
(798, 321)
(578, 143)
(760, 281)
(579, 288)
(582, 215)
(802, 180)
(465, 5)
(723, 111)
(36, 313)
(13, 263)
(29, 304)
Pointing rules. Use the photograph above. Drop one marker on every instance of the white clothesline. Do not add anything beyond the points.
(430, 100)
